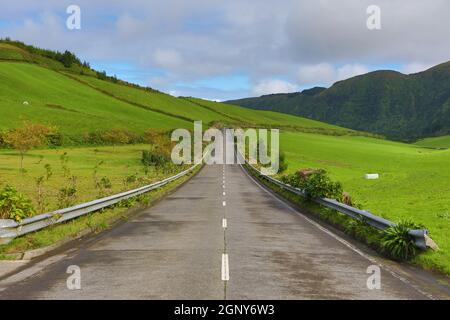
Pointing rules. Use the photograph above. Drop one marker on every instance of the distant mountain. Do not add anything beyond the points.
(399, 106)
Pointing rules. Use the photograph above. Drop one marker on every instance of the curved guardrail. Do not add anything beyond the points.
(379, 223)
(10, 229)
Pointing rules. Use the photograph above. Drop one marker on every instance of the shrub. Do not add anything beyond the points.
(316, 184)
(14, 205)
(154, 158)
(3, 143)
(397, 242)
(130, 180)
(104, 186)
(67, 195)
(116, 136)
(283, 165)
(357, 228)
(55, 139)
(41, 200)
(48, 171)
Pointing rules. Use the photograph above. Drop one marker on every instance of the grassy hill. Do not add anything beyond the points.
(436, 142)
(36, 86)
(404, 107)
(55, 99)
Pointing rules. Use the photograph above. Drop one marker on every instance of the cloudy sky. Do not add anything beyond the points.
(237, 48)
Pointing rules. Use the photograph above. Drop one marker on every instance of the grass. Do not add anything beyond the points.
(154, 100)
(75, 108)
(436, 142)
(118, 163)
(414, 182)
(94, 222)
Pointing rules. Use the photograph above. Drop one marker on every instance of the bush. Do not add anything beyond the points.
(67, 195)
(316, 184)
(104, 186)
(116, 136)
(14, 205)
(153, 158)
(396, 241)
(3, 143)
(55, 139)
(283, 165)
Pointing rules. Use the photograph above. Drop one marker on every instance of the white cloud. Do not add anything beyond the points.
(350, 70)
(326, 74)
(167, 58)
(319, 73)
(415, 67)
(269, 86)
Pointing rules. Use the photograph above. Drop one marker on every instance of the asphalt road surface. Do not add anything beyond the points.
(219, 236)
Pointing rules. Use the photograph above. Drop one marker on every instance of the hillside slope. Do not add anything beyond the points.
(35, 85)
(76, 109)
(399, 106)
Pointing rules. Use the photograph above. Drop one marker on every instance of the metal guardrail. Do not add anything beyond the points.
(10, 229)
(379, 223)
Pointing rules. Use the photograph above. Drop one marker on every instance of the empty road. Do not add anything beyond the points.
(219, 236)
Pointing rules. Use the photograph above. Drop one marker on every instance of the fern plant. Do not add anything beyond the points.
(398, 243)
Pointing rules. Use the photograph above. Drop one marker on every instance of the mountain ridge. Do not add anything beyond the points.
(386, 102)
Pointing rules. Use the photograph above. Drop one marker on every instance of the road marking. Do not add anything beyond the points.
(224, 193)
(224, 203)
(224, 223)
(223, 186)
(225, 270)
(342, 241)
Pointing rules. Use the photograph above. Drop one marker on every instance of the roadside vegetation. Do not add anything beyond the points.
(393, 242)
(40, 180)
(413, 183)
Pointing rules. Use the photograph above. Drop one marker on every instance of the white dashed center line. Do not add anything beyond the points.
(224, 223)
(224, 203)
(224, 193)
(225, 270)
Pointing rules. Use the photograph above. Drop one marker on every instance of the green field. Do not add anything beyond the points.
(414, 182)
(437, 142)
(119, 163)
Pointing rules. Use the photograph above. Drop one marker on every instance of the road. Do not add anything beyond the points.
(219, 236)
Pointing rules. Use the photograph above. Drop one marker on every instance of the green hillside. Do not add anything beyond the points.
(38, 85)
(75, 108)
(405, 107)
(436, 142)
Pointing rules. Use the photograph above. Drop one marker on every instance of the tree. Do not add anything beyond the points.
(28, 137)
